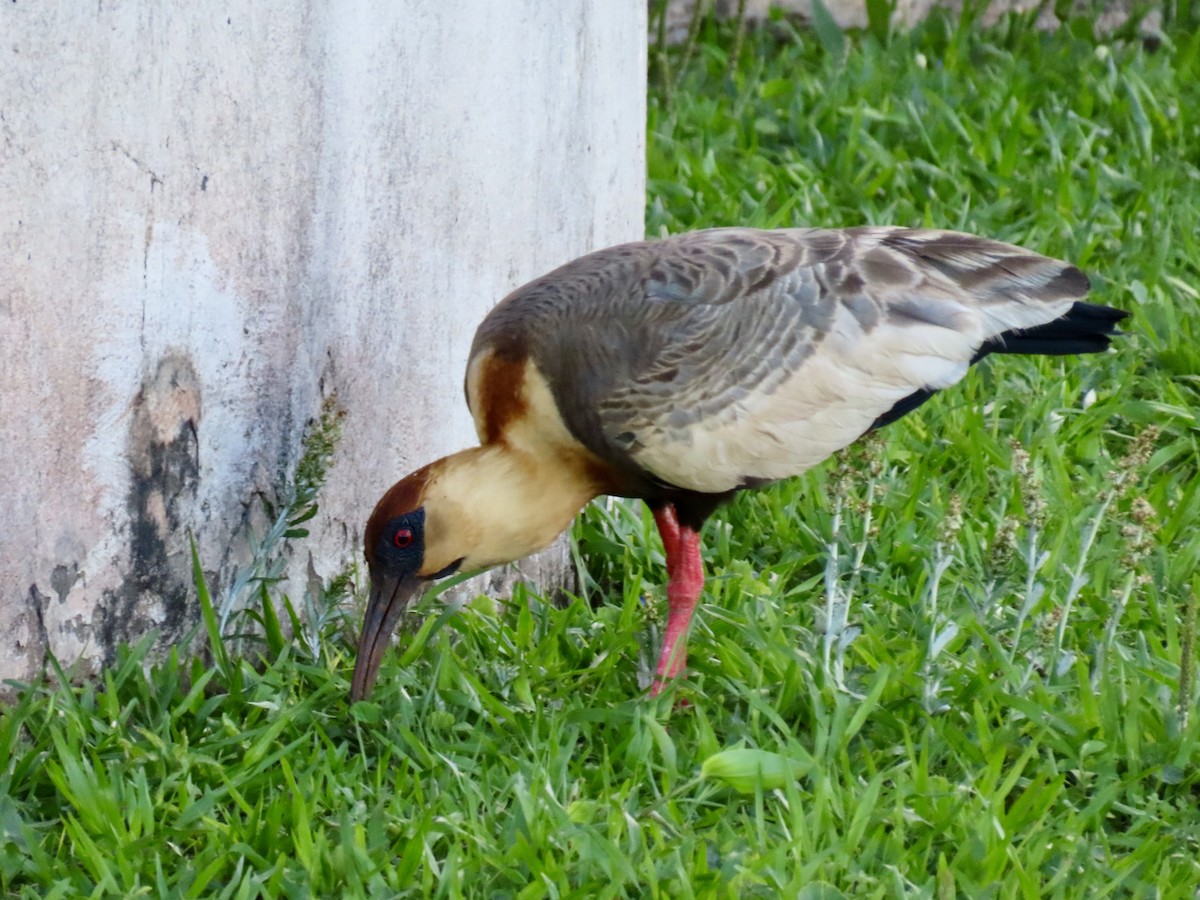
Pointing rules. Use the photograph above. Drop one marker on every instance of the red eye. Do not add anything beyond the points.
(403, 537)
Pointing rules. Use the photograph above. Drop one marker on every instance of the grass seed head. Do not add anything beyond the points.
(1139, 535)
(1048, 626)
(952, 522)
(1003, 547)
(1130, 466)
(1142, 448)
(1030, 483)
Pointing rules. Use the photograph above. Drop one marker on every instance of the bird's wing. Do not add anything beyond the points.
(746, 356)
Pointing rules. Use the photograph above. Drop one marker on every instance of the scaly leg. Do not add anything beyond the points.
(685, 572)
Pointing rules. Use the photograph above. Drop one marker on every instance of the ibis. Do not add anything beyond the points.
(683, 370)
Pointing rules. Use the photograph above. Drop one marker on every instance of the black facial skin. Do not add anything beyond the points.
(395, 584)
(400, 549)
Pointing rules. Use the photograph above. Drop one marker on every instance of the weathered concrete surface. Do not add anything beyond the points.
(211, 217)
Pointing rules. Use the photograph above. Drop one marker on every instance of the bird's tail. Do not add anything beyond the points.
(1084, 328)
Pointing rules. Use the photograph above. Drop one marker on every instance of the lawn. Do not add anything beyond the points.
(953, 661)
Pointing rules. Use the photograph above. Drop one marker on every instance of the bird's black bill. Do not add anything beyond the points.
(390, 597)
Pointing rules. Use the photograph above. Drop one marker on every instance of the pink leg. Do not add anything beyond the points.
(685, 571)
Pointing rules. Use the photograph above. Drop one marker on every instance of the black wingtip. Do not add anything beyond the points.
(1084, 328)
(1082, 313)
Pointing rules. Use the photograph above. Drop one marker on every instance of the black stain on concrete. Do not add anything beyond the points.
(62, 579)
(37, 610)
(164, 459)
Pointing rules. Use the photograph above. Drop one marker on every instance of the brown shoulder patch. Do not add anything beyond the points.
(403, 496)
(602, 476)
(501, 394)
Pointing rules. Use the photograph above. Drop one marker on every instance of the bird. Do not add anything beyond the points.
(682, 370)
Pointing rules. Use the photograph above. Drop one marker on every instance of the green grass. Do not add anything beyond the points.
(940, 664)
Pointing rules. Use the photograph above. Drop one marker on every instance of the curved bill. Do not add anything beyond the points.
(390, 597)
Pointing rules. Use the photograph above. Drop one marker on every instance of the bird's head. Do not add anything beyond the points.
(470, 511)
(407, 544)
